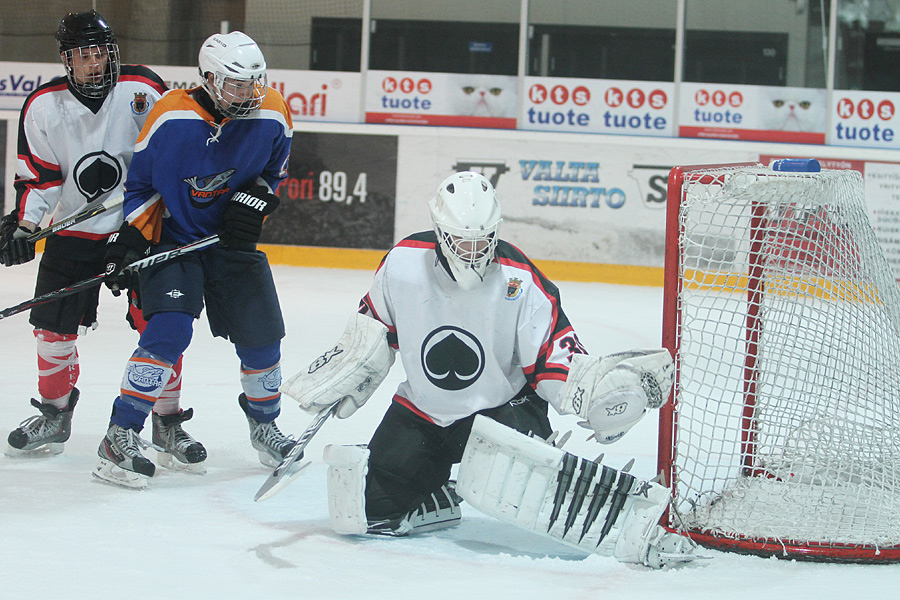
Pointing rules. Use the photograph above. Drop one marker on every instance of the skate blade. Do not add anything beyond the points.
(44, 451)
(109, 472)
(164, 459)
(266, 459)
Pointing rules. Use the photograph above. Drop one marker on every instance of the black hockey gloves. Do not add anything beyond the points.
(123, 248)
(15, 249)
(244, 215)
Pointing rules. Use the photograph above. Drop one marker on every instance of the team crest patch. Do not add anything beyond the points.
(140, 105)
(513, 288)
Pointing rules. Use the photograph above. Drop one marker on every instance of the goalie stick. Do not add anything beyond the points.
(96, 279)
(284, 473)
(76, 219)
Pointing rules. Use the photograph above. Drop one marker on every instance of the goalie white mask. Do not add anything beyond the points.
(466, 216)
(233, 71)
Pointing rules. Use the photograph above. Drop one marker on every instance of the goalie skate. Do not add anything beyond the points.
(347, 467)
(439, 511)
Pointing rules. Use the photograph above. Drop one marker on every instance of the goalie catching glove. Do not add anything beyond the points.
(347, 374)
(613, 393)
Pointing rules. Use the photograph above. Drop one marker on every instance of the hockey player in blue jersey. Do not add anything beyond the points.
(207, 162)
(76, 140)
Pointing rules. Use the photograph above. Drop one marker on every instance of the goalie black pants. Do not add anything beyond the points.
(411, 457)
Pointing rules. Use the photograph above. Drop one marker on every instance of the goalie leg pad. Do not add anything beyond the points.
(555, 494)
(346, 480)
(348, 373)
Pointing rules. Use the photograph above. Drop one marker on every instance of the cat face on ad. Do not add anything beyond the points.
(792, 109)
(481, 96)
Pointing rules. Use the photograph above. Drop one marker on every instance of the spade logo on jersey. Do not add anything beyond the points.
(97, 174)
(452, 358)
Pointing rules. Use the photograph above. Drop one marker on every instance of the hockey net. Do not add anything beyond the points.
(783, 436)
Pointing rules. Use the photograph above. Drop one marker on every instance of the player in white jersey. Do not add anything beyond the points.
(76, 139)
(479, 331)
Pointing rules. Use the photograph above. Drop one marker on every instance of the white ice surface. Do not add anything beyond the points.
(67, 536)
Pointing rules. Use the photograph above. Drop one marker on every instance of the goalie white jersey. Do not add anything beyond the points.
(73, 151)
(468, 350)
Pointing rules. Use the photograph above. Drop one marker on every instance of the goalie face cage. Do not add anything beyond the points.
(783, 434)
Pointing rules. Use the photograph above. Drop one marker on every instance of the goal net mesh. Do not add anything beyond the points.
(788, 355)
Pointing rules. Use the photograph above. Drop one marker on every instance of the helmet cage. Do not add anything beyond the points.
(466, 216)
(467, 249)
(82, 63)
(238, 82)
(236, 98)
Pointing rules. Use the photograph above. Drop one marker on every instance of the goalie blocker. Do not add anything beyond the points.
(584, 504)
(348, 374)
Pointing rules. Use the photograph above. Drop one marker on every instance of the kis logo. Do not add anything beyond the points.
(559, 94)
(865, 109)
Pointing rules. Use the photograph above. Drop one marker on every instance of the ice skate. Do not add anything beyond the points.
(44, 434)
(121, 462)
(267, 439)
(182, 451)
(439, 510)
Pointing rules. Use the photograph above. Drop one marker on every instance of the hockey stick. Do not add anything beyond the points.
(96, 279)
(283, 473)
(84, 215)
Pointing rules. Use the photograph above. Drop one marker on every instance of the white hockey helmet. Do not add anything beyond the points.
(466, 216)
(238, 70)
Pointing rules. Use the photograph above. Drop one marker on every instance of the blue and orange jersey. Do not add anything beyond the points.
(186, 167)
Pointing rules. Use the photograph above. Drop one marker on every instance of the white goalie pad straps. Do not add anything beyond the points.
(614, 392)
(588, 505)
(348, 373)
(346, 482)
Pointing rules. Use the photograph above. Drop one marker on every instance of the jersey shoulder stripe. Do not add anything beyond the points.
(56, 84)
(425, 240)
(274, 103)
(142, 74)
(174, 104)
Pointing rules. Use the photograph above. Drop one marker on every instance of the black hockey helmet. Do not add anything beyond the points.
(84, 40)
(77, 30)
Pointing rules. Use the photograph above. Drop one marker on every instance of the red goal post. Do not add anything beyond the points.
(783, 434)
